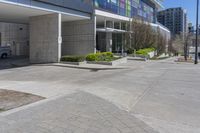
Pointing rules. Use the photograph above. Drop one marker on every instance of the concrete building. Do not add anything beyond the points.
(45, 30)
(175, 19)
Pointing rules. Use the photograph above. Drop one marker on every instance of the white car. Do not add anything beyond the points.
(5, 51)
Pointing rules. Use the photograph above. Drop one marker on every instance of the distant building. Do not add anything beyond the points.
(191, 28)
(175, 19)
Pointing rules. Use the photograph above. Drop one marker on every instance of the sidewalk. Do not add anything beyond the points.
(76, 113)
(94, 67)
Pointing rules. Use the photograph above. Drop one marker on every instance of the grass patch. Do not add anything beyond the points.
(13, 99)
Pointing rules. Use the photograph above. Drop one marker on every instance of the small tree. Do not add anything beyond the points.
(161, 42)
(181, 43)
(178, 44)
(187, 43)
(141, 35)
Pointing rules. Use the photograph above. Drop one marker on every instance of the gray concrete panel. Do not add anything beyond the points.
(78, 37)
(16, 36)
(45, 33)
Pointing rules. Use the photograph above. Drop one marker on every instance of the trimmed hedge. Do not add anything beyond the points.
(73, 58)
(104, 56)
(145, 51)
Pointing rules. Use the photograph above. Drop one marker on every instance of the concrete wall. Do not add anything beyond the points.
(45, 38)
(16, 36)
(79, 37)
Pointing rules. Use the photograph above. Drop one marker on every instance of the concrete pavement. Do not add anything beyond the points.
(76, 113)
(154, 96)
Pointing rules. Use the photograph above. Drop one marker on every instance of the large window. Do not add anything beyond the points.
(129, 8)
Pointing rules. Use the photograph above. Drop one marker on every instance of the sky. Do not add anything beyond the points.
(189, 5)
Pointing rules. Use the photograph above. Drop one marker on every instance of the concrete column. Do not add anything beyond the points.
(79, 37)
(109, 41)
(45, 38)
(105, 25)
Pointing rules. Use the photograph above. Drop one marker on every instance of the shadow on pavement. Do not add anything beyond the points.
(14, 62)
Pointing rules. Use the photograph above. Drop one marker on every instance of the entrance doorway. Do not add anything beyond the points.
(117, 42)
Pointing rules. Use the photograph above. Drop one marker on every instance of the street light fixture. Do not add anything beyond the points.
(197, 31)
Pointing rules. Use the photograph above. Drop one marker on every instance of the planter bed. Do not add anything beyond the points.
(73, 63)
(183, 60)
(137, 58)
(73, 60)
(110, 63)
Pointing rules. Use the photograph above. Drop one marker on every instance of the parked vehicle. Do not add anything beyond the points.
(5, 51)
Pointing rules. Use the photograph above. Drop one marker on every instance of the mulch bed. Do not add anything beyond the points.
(12, 99)
(183, 60)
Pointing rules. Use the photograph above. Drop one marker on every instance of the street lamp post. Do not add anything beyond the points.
(197, 30)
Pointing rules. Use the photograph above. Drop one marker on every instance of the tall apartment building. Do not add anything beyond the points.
(175, 19)
(45, 30)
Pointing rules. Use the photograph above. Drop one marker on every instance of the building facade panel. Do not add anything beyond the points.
(129, 8)
(78, 37)
(79, 5)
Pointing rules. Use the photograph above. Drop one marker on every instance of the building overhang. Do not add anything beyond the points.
(20, 13)
(111, 30)
(158, 3)
(160, 26)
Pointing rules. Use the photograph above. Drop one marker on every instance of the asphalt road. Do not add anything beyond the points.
(148, 97)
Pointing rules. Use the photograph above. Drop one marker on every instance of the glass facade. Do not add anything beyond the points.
(79, 5)
(129, 8)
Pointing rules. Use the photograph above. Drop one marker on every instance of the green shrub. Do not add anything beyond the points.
(105, 56)
(145, 51)
(108, 54)
(73, 58)
(91, 57)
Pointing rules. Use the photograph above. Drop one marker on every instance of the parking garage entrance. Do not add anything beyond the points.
(35, 32)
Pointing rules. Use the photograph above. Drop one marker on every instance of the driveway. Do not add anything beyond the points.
(12, 62)
(148, 97)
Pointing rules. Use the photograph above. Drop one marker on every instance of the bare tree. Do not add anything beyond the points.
(160, 45)
(187, 43)
(181, 43)
(178, 44)
(144, 36)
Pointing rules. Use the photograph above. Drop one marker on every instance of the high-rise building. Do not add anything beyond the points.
(175, 19)
(46, 29)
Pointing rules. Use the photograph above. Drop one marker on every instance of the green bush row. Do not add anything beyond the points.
(104, 56)
(145, 51)
(73, 58)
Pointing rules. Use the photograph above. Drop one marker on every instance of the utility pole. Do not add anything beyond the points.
(197, 31)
